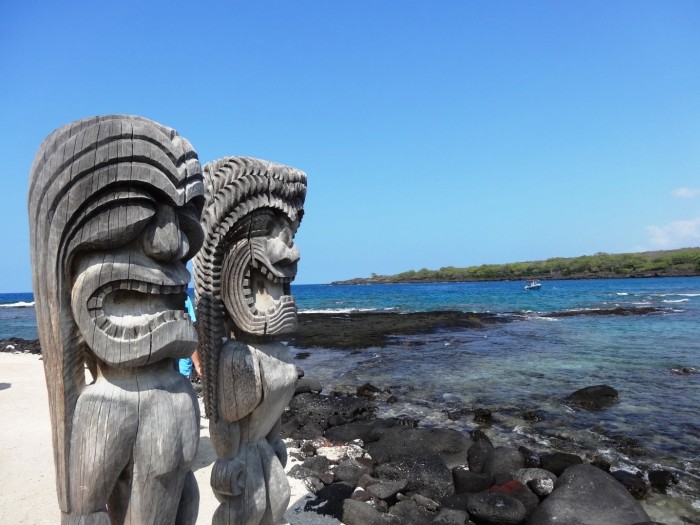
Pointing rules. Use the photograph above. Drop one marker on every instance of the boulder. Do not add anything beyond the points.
(305, 386)
(520, 492)
(594, 397)
(327, 411)
(502, 463)
(585, 495)
(661, 479)
(541, 487)
(426, 474)
(319, 464)
(387, 489)
(634, 484)
(477, 454)
(558, 462)
(532, 458)
(350, 471)
(467, 481)
(495, 508)
(451, 517)
(339, 452)
(369, 391)
(360, 513)
(399, 442)
(367, 430)
(424, 502)
(300, 472)
(456, 502)
(295, 431)
(526, 475)
(410, 513)
(479, 435)
(483, 416)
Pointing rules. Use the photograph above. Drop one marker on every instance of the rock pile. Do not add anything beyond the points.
(365, 471)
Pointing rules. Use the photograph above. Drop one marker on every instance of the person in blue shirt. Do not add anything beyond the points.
(190, 364)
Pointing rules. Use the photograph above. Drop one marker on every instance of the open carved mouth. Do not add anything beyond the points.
(129, 309)
(265, 289)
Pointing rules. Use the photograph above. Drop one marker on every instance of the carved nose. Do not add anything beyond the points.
(163, 239)
(279, 253)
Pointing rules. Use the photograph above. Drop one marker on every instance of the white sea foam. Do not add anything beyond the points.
(675, 300)
(622, 293)
(20, 304)
(345, 310)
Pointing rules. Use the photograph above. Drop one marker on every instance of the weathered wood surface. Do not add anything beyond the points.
(242, 281)
(114, 204)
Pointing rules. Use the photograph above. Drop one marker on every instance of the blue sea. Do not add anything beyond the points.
(530, 363)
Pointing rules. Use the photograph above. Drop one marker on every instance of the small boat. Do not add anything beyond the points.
(534, 285)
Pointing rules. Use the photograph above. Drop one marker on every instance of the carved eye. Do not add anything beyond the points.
(115, 224)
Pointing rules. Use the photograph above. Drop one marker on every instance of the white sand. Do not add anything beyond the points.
(27, 483)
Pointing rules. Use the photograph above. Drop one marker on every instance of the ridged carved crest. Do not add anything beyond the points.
(243, 271)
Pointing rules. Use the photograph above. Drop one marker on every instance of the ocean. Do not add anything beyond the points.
(530, 363)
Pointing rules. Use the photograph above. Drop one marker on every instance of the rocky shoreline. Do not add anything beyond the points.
(365, 470)
(359, 330)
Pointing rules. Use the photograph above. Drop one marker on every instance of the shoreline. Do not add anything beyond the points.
(361, 330)
(25, 449)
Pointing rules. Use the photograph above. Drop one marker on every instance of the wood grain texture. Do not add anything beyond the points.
(108, 263)
(242, 277)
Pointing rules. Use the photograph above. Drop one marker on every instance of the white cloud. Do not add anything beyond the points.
(677, 234)
(686, 193)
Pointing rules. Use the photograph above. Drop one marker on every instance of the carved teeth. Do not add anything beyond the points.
(111, 329)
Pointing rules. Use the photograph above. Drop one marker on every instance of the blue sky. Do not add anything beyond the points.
(433, 133)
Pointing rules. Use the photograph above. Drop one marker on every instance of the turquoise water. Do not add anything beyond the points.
(530, 363)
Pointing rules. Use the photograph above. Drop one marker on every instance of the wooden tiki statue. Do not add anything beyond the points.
(114, 210)
(242, 281)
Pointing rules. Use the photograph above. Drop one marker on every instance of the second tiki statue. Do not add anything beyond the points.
(242, 281)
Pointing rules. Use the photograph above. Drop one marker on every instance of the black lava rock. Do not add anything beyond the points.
(495, 508)
(595, 397)
(558, 462)
(427, 475)
(586, 491)
(634, 484)
(399, 442)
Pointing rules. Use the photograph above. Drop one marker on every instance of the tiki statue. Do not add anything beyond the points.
(242, 282)
(114, 206)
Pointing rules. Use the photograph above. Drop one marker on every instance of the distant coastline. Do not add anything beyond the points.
(683, 262)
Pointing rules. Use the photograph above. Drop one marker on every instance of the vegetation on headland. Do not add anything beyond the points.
(667, 263)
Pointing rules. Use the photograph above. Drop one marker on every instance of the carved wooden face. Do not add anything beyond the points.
(256, 277)
(128, 296)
